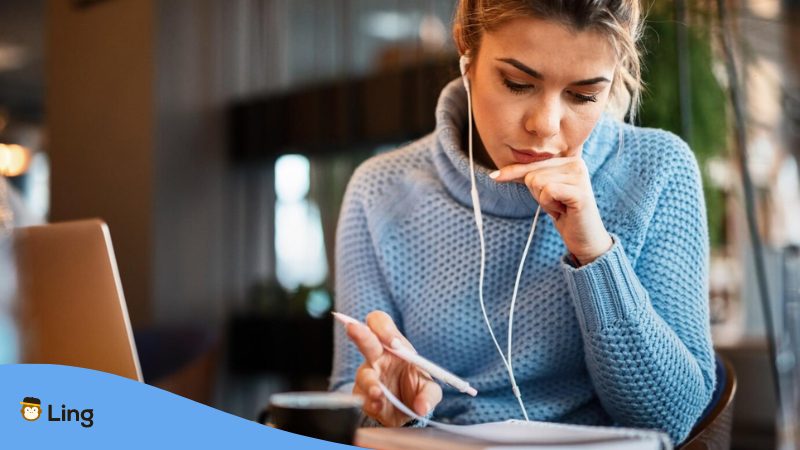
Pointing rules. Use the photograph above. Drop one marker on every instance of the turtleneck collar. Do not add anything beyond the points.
(511, 200)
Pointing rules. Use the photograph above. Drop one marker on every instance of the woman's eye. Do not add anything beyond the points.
(516, 88)
(583, 98)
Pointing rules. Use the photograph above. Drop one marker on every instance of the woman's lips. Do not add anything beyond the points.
(526, 157)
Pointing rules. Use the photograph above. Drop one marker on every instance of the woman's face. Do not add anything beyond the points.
(538, 89)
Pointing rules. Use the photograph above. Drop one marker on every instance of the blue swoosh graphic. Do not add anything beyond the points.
(126, 415)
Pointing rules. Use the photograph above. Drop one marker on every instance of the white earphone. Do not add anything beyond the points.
(463, 62)
(476, 209)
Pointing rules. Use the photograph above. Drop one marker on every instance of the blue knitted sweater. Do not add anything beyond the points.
(624, 340)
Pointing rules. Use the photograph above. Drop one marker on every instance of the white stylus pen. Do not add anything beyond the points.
(398, 349)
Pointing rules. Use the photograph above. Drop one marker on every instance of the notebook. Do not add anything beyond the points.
(511, 434)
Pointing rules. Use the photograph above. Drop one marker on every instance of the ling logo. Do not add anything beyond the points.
(31, 408)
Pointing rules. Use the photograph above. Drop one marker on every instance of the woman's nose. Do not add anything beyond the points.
(543, 119)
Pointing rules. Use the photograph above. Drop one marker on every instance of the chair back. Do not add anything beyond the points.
(713, 431)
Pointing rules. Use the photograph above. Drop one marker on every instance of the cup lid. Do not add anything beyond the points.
(316, 400)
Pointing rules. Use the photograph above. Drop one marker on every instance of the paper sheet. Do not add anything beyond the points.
(538, 433)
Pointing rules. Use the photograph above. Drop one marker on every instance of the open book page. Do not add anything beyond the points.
(542, 433)
(435, 438)
(521, 432)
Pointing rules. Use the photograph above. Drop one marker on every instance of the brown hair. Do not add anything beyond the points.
(619, 20)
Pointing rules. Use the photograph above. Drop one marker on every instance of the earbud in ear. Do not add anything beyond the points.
(462, 63)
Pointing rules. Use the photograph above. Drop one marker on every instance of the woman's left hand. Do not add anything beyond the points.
(563, 189)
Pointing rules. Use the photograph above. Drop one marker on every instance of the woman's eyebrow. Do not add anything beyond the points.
(539, 76)
(594, 80)
(522, 67)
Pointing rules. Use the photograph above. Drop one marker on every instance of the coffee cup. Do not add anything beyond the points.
(331, 416)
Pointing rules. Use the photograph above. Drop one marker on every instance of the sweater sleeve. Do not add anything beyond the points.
(360, 286)
(646, 328)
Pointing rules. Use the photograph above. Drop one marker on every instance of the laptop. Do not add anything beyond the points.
(70, 305)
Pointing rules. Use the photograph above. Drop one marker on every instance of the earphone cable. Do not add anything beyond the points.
(479, 223)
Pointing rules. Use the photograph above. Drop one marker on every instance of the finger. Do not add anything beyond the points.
(366, 341)
(427, 398)
(513, 172)
(570, 165)
(367, 382)
(383, 326)
(566, 193)
(366, 388)
(374, 408)
(555, 198)
(538, 179)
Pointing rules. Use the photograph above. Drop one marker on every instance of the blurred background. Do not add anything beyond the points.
(216, 138)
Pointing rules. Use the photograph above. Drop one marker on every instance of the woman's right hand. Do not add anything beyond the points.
(413, 386)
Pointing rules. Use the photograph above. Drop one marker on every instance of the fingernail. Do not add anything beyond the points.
(396, 343)
(428, 408)
(494, 174)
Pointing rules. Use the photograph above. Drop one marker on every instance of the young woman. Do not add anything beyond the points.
(610, 313)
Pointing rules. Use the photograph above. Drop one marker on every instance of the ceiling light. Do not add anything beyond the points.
(14, 160)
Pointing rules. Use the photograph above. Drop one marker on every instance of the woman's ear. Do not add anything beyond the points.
(463, 64)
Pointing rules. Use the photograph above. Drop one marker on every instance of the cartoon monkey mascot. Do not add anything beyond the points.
(31, 408)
